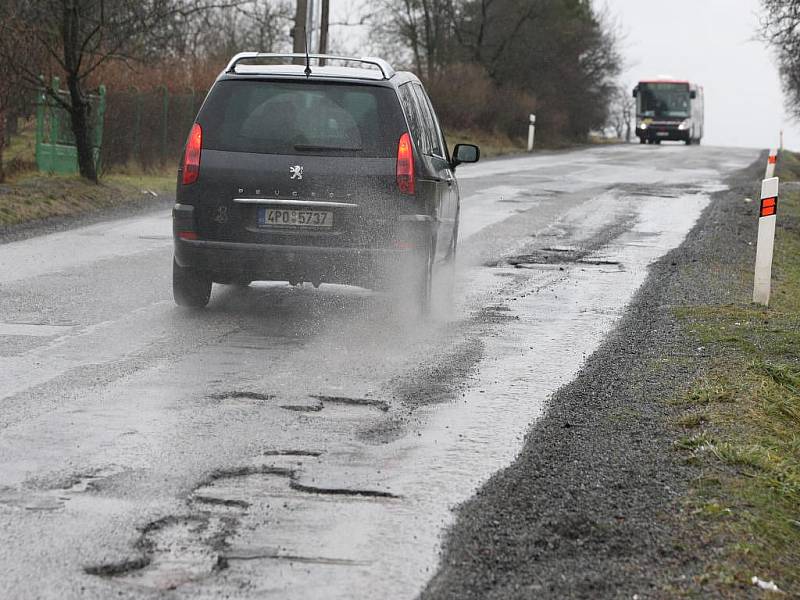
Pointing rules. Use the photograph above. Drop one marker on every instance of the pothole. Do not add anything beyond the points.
(175, 551)
(242, 395)
(370, 402)
(303, 407)
(275, 554)
(600, 262)
(320, 401)
(91, 481)
(227, 502)
(312, 453)
(235, 487)
(331, 491)
(20, 500)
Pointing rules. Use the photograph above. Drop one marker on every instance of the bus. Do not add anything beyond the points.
(668, 109)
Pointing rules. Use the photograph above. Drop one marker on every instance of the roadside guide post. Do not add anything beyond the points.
(771, 162)
(531, 131)
(766, 240)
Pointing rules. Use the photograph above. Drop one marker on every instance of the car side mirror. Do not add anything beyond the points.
(636, 92)
(693, 94)
(465, 153)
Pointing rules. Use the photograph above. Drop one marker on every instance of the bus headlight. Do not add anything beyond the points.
(687, 124)
(642, 125)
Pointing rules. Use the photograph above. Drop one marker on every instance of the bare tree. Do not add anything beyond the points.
(422, 28)
(621, 114)
(78, 36)
(14, 94)
(252, 25)
(562, 53)
(781, 26)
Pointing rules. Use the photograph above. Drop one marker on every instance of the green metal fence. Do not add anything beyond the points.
(131, 127)
(55, 142)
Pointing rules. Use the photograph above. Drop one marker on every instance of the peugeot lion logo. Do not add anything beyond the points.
(221, 215)
(296, 172)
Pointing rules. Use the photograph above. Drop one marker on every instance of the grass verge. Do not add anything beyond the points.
(29, 196)
(34, 197)
(491, 144)
(740, 423)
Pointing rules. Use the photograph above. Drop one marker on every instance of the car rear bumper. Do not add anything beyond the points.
(368, 267)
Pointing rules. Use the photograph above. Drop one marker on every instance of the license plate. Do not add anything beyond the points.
(662, 133)
(281, 217)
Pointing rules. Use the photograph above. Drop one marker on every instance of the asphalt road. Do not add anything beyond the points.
(301, 443)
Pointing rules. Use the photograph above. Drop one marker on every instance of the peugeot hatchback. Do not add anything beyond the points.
(315, 173)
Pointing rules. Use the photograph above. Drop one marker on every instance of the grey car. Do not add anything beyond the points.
(315, 173)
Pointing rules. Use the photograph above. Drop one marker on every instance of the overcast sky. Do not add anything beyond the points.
(711, 42)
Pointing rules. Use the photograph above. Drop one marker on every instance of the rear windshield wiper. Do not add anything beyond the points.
(311, 147)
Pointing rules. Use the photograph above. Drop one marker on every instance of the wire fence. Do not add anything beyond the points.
(147, 128)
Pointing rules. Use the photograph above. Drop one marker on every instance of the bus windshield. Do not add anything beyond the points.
(664, 100)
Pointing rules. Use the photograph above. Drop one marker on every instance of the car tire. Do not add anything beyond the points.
(642, 140)
(190, 288)
(421, 281)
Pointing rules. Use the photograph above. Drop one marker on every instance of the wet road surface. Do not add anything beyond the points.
(301, 443)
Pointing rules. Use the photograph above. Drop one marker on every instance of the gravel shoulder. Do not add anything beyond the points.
(594, 506)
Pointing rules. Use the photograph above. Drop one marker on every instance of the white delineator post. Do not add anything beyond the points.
(766, 240)
(531, 131)
(771, 162)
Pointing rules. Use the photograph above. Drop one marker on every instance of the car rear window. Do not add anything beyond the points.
(280, 117)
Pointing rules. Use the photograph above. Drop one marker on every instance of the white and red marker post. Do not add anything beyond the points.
(771, 162)
(768, 215)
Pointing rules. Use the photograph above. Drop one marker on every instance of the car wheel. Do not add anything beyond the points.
(642, 140)
(421, 280)
(190, 287)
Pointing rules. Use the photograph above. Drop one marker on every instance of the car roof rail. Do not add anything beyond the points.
(385, 68)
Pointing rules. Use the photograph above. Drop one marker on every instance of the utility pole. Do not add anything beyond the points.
(310, 20)
(299, 31)
(323, 28)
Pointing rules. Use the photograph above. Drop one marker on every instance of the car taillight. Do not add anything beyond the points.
(191, 158)
(405, 165)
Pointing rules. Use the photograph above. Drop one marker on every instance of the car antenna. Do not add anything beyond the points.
(308, 58)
